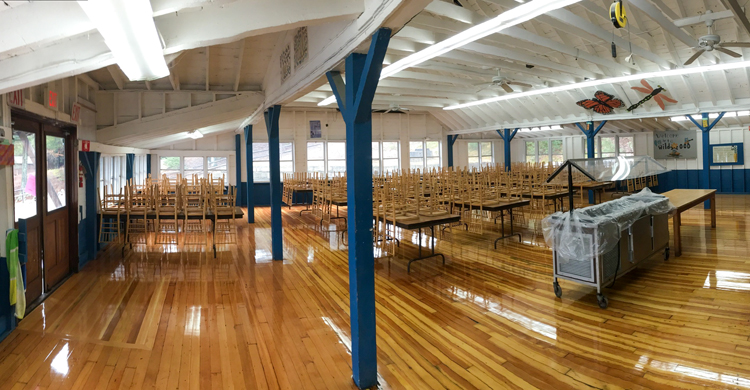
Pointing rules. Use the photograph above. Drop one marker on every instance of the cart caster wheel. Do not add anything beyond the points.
(666, 254)
(603, 301)
(558, 290)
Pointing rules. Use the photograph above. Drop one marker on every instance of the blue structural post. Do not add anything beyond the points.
(249, 168)
(355, 102)
(148, 164)
(451, 141)
(590, 133)
(129, 163)
(705, 129)
(272, 126)
(238, 164)
(507, 136)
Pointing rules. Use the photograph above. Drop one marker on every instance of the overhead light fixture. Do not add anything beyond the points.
(612, 80)
(195, 134)
(130, 33)
(743, 113)
(329, 100)
(680, 118)
(510, 18)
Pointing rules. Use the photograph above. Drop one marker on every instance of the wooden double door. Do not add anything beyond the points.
(44, 179)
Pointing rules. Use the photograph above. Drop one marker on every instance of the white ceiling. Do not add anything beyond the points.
(565, 46)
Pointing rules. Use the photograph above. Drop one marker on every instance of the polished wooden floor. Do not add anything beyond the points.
(169, 318)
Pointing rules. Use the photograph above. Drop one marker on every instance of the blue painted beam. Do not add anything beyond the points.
(355, 102)
(249, 168)
(272, 127)
(507, 136)
(451, 141)
(129, 165)
(238, 164)
(705, 128)
(591, 133)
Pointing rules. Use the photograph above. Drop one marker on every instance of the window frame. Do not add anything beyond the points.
(326, 157)
(205, 158)
(424, 165)
(381, 159)
(598, 146)
(281, 160)
(550, 155)
(482, 159)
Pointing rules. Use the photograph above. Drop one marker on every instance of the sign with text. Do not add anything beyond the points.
(675, 144)
(53, 99)
(85, 146)
(15, 98)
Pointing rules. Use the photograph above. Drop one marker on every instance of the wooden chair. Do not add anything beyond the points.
(167, 207)
(194, 214)
(111, 207)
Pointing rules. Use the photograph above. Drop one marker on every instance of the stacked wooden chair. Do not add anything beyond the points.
(111, 211)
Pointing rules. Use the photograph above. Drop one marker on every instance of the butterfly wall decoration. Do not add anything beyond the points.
(602, 103)
(652, 93)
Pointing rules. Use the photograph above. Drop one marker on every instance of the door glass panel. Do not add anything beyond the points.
(24, 174)
(55, 173)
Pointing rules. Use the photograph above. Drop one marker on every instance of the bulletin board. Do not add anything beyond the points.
(727, 154)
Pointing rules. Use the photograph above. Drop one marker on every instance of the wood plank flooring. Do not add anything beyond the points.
(175, 318)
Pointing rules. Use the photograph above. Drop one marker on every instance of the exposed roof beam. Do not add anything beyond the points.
(181, 120)
(574, 20)
(119, 79)
(67, 58)
(208, 69)
(739, 13)
(657, 16)
(225, 23)
(163, 7)
(238, 65)
(524, 58)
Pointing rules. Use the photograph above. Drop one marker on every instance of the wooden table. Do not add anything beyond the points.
(597, 187)
(684, 200)
(419, 223)
(500, 207)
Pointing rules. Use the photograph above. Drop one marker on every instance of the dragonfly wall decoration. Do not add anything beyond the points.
(652, 94)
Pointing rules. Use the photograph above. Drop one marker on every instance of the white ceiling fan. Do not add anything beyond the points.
(502, 82)
(394, 108)
(711, 42)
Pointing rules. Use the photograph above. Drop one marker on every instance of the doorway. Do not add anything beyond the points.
(45, 197)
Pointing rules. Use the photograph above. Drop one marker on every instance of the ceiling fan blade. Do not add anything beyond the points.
(694, 57)
(522, 84)
(728, 52)
(735, 44)
(507, 88)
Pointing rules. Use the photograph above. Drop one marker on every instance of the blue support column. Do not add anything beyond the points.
(507, 136)
(148, 164)
(88, 240)
(272, 126)
(129, 163)
(451, 141)
(355, 102)
(705, 129)
(591, 133)
(238, 164)
(249, 169)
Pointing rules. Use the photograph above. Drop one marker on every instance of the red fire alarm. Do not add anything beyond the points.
(85, 146)
(52, 99)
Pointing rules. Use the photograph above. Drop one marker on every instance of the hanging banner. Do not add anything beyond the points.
(675, 145)
(315, 130)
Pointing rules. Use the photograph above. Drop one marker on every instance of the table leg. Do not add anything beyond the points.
(676, 222)
(713, 211)
(502, 222)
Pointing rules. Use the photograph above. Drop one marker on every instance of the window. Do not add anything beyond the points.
(112, 174)
(545, 151)
(316, 159)
(24, 174)
(217, 167)
(385, 160)
(262, 160)
(170, 166)
(336, 157)
(612, 146)
(480, 154)
(424, 154)
(193, 167)
(326, 157)
(557, 151)
(140, 169)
